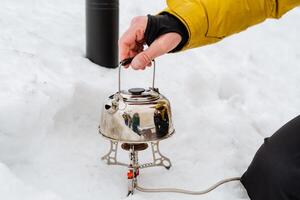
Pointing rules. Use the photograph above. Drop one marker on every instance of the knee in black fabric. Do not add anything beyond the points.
(266, 177)
(274, 173)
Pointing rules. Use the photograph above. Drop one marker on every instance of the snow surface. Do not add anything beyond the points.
(225, 98)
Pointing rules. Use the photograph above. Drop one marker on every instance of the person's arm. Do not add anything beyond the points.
(209, 21)
(131, 43)
(206, 22)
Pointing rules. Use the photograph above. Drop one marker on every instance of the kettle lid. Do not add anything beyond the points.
(140, 95)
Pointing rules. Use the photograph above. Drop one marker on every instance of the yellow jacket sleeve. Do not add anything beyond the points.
(209, 21)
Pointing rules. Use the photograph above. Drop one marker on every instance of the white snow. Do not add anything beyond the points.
(225, 98)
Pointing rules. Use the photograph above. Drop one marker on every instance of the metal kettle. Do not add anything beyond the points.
(137, 115)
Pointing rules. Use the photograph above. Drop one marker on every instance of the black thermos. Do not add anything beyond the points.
(102, 32)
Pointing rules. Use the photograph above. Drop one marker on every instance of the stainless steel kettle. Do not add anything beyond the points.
(137, 115)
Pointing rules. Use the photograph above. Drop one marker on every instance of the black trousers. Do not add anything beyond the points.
(274, 173)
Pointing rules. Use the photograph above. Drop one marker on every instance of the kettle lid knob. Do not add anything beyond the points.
(136, 91)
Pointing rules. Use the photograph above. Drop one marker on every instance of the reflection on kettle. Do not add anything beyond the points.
(127, 119)
(136, 123)
(161, 120)
(132, 122)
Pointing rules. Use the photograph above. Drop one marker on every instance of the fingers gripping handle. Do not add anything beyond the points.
(128, 61)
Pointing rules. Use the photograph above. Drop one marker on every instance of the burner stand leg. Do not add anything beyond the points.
(111, 157)
(158, 158)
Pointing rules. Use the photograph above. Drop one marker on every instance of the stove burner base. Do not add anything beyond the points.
(137, 147)
(134, 167)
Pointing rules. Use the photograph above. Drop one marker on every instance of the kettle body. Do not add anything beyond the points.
(136, 115)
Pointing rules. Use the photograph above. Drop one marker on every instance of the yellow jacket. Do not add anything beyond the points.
(209, 21)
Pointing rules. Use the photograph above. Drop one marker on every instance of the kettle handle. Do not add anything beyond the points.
(128, 61)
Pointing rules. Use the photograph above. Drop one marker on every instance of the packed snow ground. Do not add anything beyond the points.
(225, 98)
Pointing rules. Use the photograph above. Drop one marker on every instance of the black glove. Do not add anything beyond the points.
(162, 24)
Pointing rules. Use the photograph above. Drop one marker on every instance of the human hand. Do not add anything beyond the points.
(131, 44)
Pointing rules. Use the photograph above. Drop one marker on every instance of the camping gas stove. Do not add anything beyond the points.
(134, 166)
(136, 119)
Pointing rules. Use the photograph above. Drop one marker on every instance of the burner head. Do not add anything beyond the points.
(137, 147)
